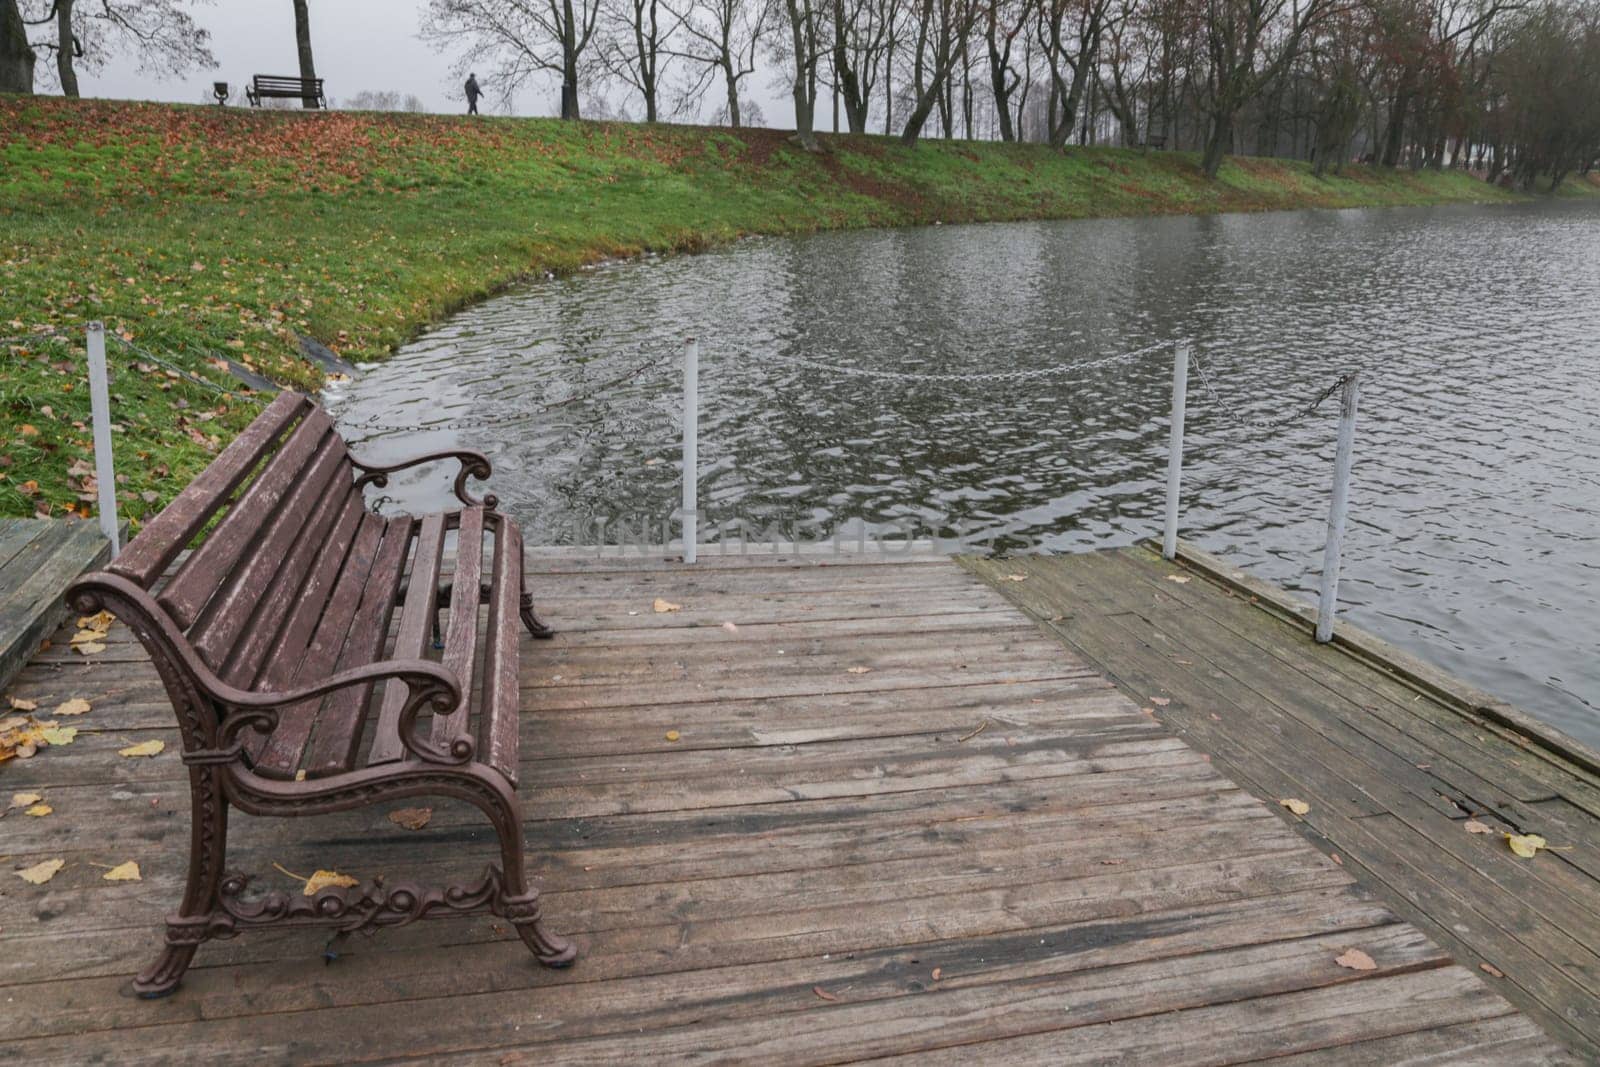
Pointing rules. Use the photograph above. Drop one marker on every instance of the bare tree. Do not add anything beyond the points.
(384, 100)
(524, 38)
(801, 47)
(160, 34)
(722, 38)
(17, 57)
(861, 34)
(942, 27)
(1004, 22)
(636, 47)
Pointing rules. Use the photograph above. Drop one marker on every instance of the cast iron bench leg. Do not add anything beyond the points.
(208, 843)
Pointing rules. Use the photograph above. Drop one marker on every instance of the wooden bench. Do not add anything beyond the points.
(299, 692)
(286, 87)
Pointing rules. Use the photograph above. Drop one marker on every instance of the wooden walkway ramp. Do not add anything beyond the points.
(1413, 779)
(38, 559)
(814, 813)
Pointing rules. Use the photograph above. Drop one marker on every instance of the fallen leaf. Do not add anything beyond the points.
(938, 972)
(143, 748)
(1473, 826)
(823, 993)
(1016, 578)
(664, 606)
(411, 818)
(58, 735)
(40, 873)
(23, 705)
(858, 670)
(39, 810)
(1179, 578)
(1299, 807)
(86, 636)
(1160, 702)
(730, 627)
(1525, 845)
(75, 706)
(123, 872)
(673, 735)
(1491, 970)
(1356, 960)
(88, 648)
(324, 879)
(22, 800)
(100, 620)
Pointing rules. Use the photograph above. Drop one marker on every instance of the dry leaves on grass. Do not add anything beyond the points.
(1299, 807)
(411, 818)
(143, 748)
(661, 606)
(40, 873)
(1356, 960)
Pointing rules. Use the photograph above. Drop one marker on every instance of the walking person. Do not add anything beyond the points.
(473, 92)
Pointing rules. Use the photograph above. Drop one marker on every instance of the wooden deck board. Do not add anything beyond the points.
(1393, 770)
(39, 558)
(897, 820)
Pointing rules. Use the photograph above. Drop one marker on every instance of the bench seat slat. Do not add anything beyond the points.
(461, 637)
(280, 558)
(413, 636)
(497, 718)
(338, 731)
(315, 660)
(169, 533)
(207, 566)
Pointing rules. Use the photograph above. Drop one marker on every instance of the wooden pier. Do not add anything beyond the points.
(825, 810)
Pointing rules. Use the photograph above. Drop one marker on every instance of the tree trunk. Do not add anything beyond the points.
(64, 49)
(1394, 137)
(1217, 144)
(569, 63)
(16, 56)
(302, 43)
(732, 81)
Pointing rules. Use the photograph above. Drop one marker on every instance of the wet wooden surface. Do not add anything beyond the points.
(1412, 781)
(38, 558)
(824, 811)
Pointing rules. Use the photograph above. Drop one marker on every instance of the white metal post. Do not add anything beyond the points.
(105, 475)
(1180, 389)
(1343, 457)
(691, 445)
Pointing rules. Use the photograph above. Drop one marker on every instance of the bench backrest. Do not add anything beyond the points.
(273, 83)
(279, 506)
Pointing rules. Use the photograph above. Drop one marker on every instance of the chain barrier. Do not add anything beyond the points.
(975, 378)
(1265, 424)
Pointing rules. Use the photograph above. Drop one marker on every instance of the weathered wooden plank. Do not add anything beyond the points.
(461, 632)
(497, 718)
(40, 569)
(417, 617)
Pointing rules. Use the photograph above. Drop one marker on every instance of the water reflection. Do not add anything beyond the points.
(1472, 537)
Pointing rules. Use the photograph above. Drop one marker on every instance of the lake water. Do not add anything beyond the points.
(1474, 535)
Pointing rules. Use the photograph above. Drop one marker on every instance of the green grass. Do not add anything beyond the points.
(198, 231)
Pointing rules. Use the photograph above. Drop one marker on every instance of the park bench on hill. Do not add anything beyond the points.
(285, 87)
(273, 640)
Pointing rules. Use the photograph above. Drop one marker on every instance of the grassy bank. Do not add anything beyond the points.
(196, 232)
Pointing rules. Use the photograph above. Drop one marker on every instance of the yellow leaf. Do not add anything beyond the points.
(88, 648)
(75, 706)
(324, 879)
(411, 818)
(672, 735)
(1299, 807)
(22, 800)
(58, 735)
(23, 705)
(143, 748)
(858, 670)
(1525, 845)
(124, 872)
(40, 873)
(1356, 960)
(86, 636)
(39, 810)
(664, 606)
(100, 620)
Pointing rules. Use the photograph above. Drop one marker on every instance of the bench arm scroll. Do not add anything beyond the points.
(474, 464)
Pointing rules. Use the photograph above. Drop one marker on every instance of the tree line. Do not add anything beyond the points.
(1510, 88)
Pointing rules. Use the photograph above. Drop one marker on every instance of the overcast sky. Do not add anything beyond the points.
(359, 44)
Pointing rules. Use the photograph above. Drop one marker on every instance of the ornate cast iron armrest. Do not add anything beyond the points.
(474, 464)
(431, 687)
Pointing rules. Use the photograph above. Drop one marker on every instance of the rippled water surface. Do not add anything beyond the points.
(1473, 537)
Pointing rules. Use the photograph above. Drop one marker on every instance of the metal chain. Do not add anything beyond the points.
(377, 423)
(984, 376)
(1265, 424)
